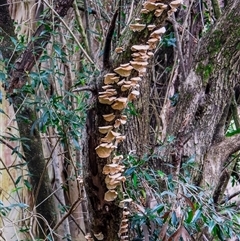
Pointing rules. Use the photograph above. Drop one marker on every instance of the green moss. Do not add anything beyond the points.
(216, 43)
(204, 71)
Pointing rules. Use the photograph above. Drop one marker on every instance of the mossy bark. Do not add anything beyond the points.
(200, 116)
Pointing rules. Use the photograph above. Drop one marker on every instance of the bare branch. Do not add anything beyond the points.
(84, 88)
(88, 28)
(230, 197)
(12, 148)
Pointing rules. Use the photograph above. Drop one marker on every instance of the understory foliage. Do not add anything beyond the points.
(54, 106)
(164, 208)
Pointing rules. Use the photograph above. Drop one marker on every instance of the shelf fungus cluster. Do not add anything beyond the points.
(123, 230)
(158, 7)
(120, 88)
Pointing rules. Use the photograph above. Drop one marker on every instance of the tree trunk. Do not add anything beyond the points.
(200, 116)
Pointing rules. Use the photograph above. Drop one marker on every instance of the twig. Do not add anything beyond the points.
(179, 47)
(73, 219)
(131, 13)
(11, 177)
(67, 214)
(73, 35)
(12, 148)
(80, 25)
(88, 28)
(94, 12)
(230, 197)
(84, 88)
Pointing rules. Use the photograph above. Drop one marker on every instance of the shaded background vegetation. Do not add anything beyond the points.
(181, 148)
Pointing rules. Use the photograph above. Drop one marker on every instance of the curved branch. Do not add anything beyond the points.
(108, 42)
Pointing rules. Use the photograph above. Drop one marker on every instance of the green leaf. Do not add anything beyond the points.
(232, 133)
(18, 180)
(1, 110)
(57, 49)
(27, 184)
(159, 208)
(134, 179)
(2, 77)
(197, 215)
(129, 171)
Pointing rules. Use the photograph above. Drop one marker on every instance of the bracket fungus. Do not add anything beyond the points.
(124, 201)
(157, 33)
(88, 237)
(158, 12)
(137, 27)
(153, 43)
(108, 92)
(105, 87)
(111, 135)
(110, 78)
(99, 236)
(144, 11)
(119, 122)
(112, 168)
(117, 159)
(124, 70)
(133, 95)
(125, 87)
(112, 181)
(121, 82)
(110, 195)
(176, 3)
(104, 150)
(151, 6)
(109, 117)
(105, 99)
(140, 47)
(136, 79)
(139, 66)
(119, 50)
(151, 27)
(120, 103)
(105, 129)
(119, 139)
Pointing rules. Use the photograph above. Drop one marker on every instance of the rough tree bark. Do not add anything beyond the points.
(200, 118)
(105, 216)
(197, 123)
